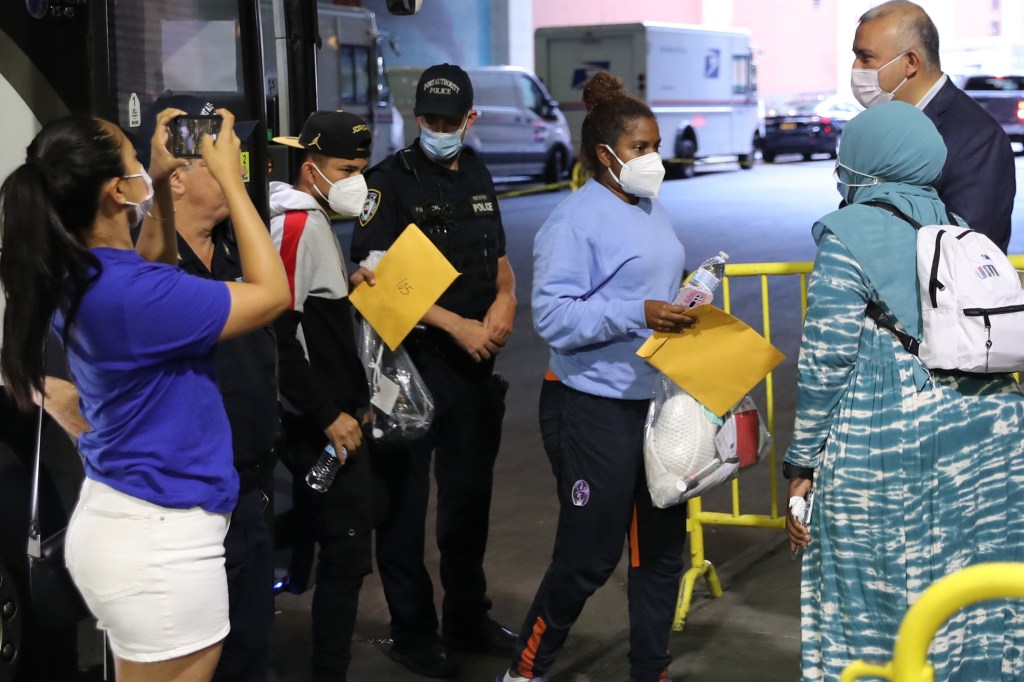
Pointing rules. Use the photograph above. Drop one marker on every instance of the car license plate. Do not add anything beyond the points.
(787, 126)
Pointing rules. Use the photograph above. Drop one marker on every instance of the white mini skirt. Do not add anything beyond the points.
(153, 577)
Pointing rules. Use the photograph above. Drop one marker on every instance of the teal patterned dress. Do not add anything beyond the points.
(915, 479)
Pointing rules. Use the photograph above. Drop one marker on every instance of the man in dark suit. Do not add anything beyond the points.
(896, 56)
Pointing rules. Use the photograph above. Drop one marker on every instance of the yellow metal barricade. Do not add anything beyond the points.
(940, 601)
(698, 518)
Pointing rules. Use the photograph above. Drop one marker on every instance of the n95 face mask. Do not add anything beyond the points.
(346, 196)
(641, 176)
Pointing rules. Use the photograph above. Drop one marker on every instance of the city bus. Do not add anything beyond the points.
(112, 58)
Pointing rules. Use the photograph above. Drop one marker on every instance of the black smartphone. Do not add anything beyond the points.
(187, 133)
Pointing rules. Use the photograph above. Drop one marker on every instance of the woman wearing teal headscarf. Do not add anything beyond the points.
(917, 474)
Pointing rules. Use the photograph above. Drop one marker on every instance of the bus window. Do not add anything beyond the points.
(181, 45)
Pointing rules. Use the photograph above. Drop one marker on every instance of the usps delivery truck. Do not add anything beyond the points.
(700, 83)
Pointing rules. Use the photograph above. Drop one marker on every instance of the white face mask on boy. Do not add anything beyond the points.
(641, 176)
(346, 196)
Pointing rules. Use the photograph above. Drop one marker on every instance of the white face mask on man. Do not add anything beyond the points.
(641, 176)
(865, 86)
(346, 196)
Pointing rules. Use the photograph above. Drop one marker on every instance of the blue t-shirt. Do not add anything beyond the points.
(595, 261)
(142, 353)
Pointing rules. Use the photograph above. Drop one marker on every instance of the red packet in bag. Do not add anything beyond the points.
(748, 436)
(743, 439)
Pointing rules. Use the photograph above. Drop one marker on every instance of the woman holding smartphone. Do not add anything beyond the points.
(145, 542)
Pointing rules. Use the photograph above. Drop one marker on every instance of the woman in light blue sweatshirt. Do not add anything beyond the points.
(606, 263)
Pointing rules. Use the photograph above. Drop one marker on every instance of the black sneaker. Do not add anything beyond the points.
(489, 638)
(424, 657)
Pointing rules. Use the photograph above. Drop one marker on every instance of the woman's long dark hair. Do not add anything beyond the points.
(610, 112)
(47, 209)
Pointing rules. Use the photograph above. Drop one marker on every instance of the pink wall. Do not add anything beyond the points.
(974, 20)
(576, 12)
(795, 53)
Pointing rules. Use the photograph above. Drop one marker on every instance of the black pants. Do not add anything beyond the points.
(596, 450)
(464, 441)
(249, 562)
(341, 520)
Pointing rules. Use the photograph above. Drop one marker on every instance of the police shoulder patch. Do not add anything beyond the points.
(370, 207)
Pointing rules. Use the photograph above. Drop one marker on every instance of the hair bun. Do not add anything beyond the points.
(602, 87)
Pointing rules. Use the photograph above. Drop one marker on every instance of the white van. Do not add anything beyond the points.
(520, 132)
(700, 83)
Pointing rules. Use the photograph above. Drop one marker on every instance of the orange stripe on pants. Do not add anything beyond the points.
(530, 652)
(634, 542)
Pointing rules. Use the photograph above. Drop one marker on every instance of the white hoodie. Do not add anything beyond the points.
(312, 256)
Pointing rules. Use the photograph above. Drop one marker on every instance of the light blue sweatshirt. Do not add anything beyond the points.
(596, 260)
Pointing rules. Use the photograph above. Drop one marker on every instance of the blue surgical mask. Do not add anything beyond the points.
(442, 147)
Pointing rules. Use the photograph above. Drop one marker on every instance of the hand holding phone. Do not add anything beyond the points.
(801, 509)
(187, 134)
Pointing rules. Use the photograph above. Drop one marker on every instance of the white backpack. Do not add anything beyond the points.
(972, 302)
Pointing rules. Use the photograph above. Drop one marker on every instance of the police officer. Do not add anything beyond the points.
(448, 192)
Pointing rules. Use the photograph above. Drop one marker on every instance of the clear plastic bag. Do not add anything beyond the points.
(689, 450)
(401, 407)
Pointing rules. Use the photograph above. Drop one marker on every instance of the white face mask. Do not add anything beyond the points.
(867, 91)
(845, 187)
(346, 196)
(142, 207)
(642, 176)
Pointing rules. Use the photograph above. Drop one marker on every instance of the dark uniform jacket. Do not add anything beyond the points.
(247, 370)
(457, 210)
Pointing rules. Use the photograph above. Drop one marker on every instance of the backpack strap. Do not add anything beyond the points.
(887, 322)
(886, 206)
(933, 276)
(874, 311)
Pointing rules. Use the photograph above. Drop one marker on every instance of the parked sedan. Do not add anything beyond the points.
(806, 127)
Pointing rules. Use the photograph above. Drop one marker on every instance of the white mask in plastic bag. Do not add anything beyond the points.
(641, 176)
(865, 86)
(346, 196)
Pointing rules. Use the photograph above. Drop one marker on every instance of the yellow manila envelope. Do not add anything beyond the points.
(717, 361)
(410, 278)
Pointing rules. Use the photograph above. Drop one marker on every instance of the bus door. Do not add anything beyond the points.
(194, 47)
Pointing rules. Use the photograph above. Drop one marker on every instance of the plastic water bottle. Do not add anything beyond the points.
(321, 474)
(701, 284)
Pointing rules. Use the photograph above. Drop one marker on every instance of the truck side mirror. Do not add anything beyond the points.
(404, 7)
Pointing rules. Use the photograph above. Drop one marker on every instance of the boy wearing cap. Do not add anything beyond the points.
(323, 385)
(448, 192)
